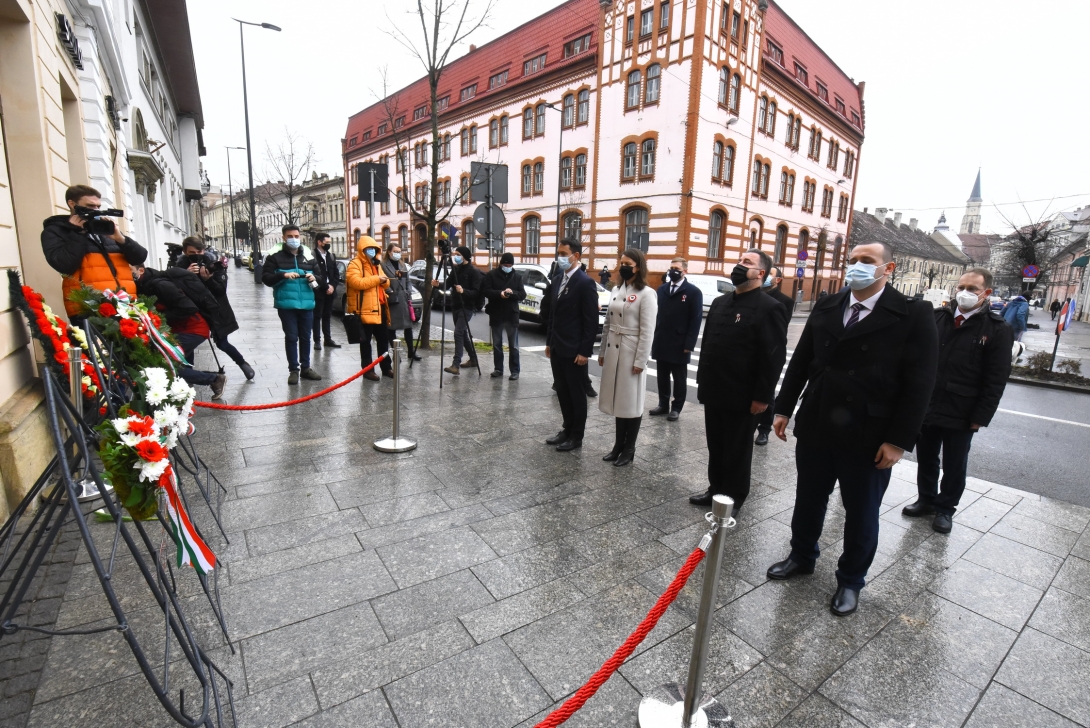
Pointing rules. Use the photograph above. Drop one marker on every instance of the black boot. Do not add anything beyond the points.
(618, 442)
(629, 451)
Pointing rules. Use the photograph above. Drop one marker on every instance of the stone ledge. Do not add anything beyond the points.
(25, 444)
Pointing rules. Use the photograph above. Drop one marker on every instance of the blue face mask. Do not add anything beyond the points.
(456, 259)
(506, 268)
(563, 262)
(293, 243)
(768, 282)
(372, 252)
(861, 275)
(395, 256)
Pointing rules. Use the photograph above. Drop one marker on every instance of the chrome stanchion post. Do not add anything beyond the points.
(670, 705)
(88, 488)
(396, 443)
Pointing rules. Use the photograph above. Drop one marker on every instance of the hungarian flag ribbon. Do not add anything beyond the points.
(192, 550)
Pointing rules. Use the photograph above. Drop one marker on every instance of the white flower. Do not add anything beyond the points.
(180, 391)
(150, 472)
(130, 440)
(166, 416)
(157, 377)
(122, 426)
(172, 439)
(156, 395)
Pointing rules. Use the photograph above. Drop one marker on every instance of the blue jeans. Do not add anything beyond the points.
(189, 344)
(499, 327)
(295, 322)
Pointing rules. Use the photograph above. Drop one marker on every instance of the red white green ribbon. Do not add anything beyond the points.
(192, 550)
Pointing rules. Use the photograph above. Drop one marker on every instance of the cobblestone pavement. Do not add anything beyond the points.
(479, 580)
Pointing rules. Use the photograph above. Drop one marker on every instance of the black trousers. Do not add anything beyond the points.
(764, 421)
(323, 311)
(954, 445)
(730, 452)
(679, 373)
(382, 341)
(862, 487)
(569, 378)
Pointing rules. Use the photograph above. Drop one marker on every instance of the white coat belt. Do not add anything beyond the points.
(626, 330)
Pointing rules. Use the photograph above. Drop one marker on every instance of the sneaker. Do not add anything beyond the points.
(496, 375)
(293, 378)
(247, 370)
(308, 373)
(217, 385)
(452, 369)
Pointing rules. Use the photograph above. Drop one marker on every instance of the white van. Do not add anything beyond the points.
(711, 287)
(938, 297)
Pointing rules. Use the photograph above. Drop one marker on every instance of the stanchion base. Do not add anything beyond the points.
(395, 444)
(664, 706)
(88, 491)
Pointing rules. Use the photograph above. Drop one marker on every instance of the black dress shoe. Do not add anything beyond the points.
(625, 458)
(674, 416)
(844, 601)
(919, 508)
(590, 391)
(787, 568)
(942, 523)
(332, 344)
(704, 499)
(317, 346)
(415, 357)
(558, 438)
(569, 445)
(660, 410)
(762, 439)
(496, 375)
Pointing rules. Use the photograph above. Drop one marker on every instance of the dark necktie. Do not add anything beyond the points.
(673, 289)
(854, 318)
(958, 321)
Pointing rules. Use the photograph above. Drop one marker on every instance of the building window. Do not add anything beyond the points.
(735, 94)
(577, 46)
(539, 178)
(804, 242)
(446, 148)
(823, 92)
(724, 81)
(808, 190)
(468, 92)
(580, 170)
(815, 143)
(465, 142)
(837, 250)
(635, 226)
(442, 103)
(664, 14)
(728, 165)
(840, 108)
(473, 139)
(842, 213)
(503, 130)
(632, 98)
(761, 172)
(794, 131)
(651, 91)
(762, 113)
(469, 234)
(735, 26)
(565, 173)
(527, 180)
(539, 125)
(533, 65)
(582, 112)
(787, 188)
(629, 28)
(801, 75)
(834, 154)
(647, 22)
(402, 237)
(463, 189)
(531, 235)
(628, 170)
(855, 118)
(573, 226)
(386, 237)
(399, 122)
(419, 113)
(493, 133)
(849, 164)
(647, 165)
(383, 128)
(528, 123)
(775, 53)
(497, 80)
(717, 162)
(716, 223)
(827, 202)
(568, 117)
(781, 245)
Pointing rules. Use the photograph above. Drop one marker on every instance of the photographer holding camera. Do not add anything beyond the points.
(87, 248)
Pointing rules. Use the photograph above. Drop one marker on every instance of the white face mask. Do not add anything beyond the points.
(967, 300)
(395, 256)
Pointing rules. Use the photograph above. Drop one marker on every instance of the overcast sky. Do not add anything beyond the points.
(952, 85)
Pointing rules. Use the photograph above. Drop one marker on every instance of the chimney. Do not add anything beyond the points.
(472, 47)
(865, 211)
(912, 224)
(897, 219)
(880, 214)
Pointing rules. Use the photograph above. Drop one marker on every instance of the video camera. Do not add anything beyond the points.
(94, 221)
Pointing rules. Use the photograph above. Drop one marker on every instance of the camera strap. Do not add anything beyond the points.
(105, 254)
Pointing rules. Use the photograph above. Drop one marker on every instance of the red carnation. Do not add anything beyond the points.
(142, 427)
(150, 450)
(61, 357)
(156, 320)
(107, 309)
(144, 338)
(128, 328)
(101, 411)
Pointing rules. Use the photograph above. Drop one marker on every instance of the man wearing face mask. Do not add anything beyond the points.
(327, 275)
(742, 355)
(771, 287)
(681, 307)
(974, 363)
(867, 360)
(465, 281)
(503, 289)
(289, 271)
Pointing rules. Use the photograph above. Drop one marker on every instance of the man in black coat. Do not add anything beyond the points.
(974, 363)
(681, 306)
(742, 355)
(772, 288)
(867, 359)
(213, 273)
(327, 275)
(464, 284)
(502, 289)
(569, 343)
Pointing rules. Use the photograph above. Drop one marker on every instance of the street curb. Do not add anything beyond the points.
(1050, 385)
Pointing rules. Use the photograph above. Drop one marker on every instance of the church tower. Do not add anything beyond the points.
(970, 223)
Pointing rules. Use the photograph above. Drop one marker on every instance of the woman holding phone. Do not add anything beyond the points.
(399, 297)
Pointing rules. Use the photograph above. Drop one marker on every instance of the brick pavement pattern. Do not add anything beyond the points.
(479, 580)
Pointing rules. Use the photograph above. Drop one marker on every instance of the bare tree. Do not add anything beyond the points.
(444, 24)
(1030, 244)
(287, 168)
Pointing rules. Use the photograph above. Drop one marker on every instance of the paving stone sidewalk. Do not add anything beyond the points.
(480, 579)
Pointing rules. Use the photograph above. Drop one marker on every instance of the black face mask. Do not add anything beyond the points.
(739, 275)
(675, 275)
(626, 272)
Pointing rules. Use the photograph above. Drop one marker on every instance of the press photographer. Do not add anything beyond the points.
(88, 248)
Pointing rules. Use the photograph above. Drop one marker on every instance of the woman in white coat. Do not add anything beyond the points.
(626, 345)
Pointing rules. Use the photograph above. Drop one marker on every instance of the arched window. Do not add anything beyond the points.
(728, 165)
(836, 251)
(724, 79)
(756, 184)
(469, 237)
(503, 129)
(651, 92)
(569, 111)
(583, 111)
(580, 170)
(528, 123)
(635, 225)
(781, 245)
(804, 240)
(735, 93)
(647, 165)
(766, 172)
(770, 127)
(717, 161)
(629, 165)
(573, 226)
(385, 237)
(716, 223)
(539, 125)
(527, 180)
(531, 235)
(762, 113)
(139, 133)
(493, 133)
(632, 99)
(565, 173)
(539, 178)
(402, 236)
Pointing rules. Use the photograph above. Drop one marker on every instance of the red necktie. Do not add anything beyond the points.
(958, 321)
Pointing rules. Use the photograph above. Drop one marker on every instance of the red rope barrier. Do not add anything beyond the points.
(289, 403)
(575, 702)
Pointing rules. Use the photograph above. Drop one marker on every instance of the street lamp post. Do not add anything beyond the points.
(249, 153)
(231, 197)
(559, 171)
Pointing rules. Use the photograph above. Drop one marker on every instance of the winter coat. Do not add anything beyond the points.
(626, 343)
(678, 324)
(974, 363)
(399, 295)
(498, 308)
(178, 294)
(289, 293)
(86, 259)
(571, 315)
(785, 301)
(1016, 313)
(325, 272)
(469, 278)
(224, 321)
(366, 295)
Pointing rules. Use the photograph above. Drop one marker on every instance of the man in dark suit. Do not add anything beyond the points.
(772, 288)
(681, 306)
(867, 359)
(742, 354)
(572, 325)
(974, 363)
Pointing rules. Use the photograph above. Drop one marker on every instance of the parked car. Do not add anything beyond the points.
(711, 287)
(535, 278)
(416, 278)
(996, 303)
(340, 295)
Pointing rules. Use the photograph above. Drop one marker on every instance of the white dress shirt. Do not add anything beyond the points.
(868, 306)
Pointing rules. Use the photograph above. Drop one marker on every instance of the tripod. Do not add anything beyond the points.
(447, 268)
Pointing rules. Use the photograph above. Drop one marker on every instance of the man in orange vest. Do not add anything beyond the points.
(83, 257)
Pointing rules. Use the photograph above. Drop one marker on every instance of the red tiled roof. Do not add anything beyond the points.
(795, 43)
(979, 247)
(545, 34)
